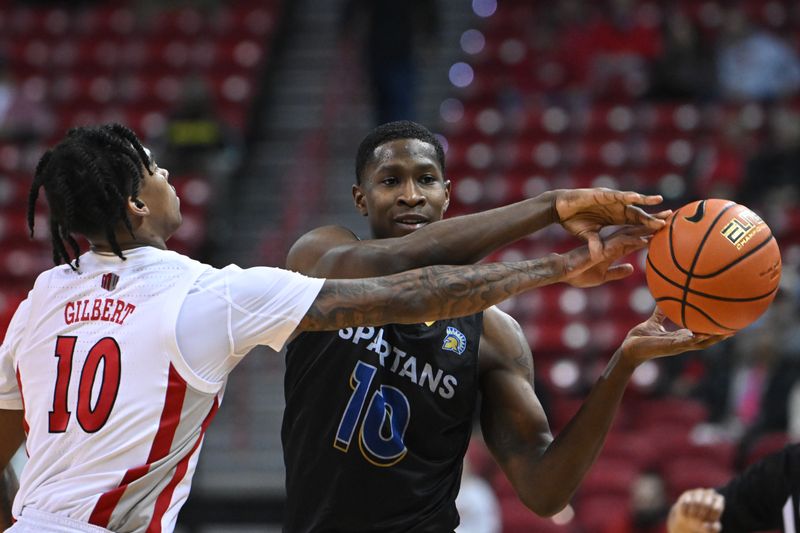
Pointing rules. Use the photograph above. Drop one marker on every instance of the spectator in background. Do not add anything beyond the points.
(753, 64)
(566, 26)
(771, 174)
(23, 118)
(649, 504)
(777, 370)
(623, 43)
(763, 497)
(648, 507)
(749, 379)
(684, 70)
(721, 158)
(477, 504)
(392, 30)
(196, 139)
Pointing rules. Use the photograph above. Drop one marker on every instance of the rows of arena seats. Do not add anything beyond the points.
(528, 115)
(130, 62)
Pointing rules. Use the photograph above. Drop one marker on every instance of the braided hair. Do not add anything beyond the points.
(87, 179)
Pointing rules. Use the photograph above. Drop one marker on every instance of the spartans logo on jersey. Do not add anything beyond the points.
(454, 341)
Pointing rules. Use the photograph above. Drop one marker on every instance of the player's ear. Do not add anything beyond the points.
(137, 207)
(359, 198)
(447, 189)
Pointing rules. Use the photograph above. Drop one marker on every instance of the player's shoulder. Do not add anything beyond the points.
(503, 343)
(498, 322)
(42, 281)
(310, 247)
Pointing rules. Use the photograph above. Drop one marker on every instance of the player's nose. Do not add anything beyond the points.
(411, 194)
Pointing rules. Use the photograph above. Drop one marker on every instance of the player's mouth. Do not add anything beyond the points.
(411, 221)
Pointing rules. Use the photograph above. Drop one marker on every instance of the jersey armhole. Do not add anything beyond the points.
(170, 334)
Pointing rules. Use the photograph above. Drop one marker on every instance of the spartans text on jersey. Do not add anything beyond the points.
(103, 309)
(401, 363)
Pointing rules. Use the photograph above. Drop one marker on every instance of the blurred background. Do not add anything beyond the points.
(257, 107)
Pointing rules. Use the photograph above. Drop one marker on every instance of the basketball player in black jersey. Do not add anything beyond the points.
(378, 419)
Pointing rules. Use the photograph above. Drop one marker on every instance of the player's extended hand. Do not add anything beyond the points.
(651, 339)
(584, 269)
(696, 511)
(622, 242)
(584, 212)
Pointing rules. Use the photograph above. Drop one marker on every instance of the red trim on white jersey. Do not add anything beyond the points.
(170, 417)
(25, 425)
(164, 499)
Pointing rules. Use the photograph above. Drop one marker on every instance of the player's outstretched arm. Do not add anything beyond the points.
(335, 252)
(438, 292)
(696, 511)
(544, 471)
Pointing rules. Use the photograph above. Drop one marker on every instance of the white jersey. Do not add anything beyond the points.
(115, 413)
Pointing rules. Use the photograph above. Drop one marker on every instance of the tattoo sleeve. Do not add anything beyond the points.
(431, 293)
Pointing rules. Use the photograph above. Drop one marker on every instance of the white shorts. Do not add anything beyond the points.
(33, 521)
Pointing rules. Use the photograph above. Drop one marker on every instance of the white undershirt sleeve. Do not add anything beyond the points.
(10, 396)
(230, 311)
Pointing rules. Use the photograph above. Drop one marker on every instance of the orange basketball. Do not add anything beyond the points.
(714, 268)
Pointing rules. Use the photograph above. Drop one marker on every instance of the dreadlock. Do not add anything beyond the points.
(87, 179)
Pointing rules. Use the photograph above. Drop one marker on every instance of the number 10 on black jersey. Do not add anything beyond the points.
(383, 426)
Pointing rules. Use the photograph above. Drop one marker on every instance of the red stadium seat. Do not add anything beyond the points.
(602, 513)
(609, 477)
(519, 519)
(631, 447)
(672, 412)
(682, 474)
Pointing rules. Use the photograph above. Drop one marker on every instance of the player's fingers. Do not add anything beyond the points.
(636, 215)
(710, 341)
(686, 340)
(658, 318)
(595, 245)
(708, 505)
(702, 505)
(632, 231)
(690, 507)
(650, 199)
(630, 197)
(619, 272)
(663, 214)
(718, 505)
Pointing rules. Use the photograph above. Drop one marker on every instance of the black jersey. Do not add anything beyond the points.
(376, 425)
(765, 496)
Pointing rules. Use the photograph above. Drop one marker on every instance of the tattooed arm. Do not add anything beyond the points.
(335, 252)
(439, 292)
(544, 471)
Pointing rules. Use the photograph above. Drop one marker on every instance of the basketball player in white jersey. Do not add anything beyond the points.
(115, 364)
